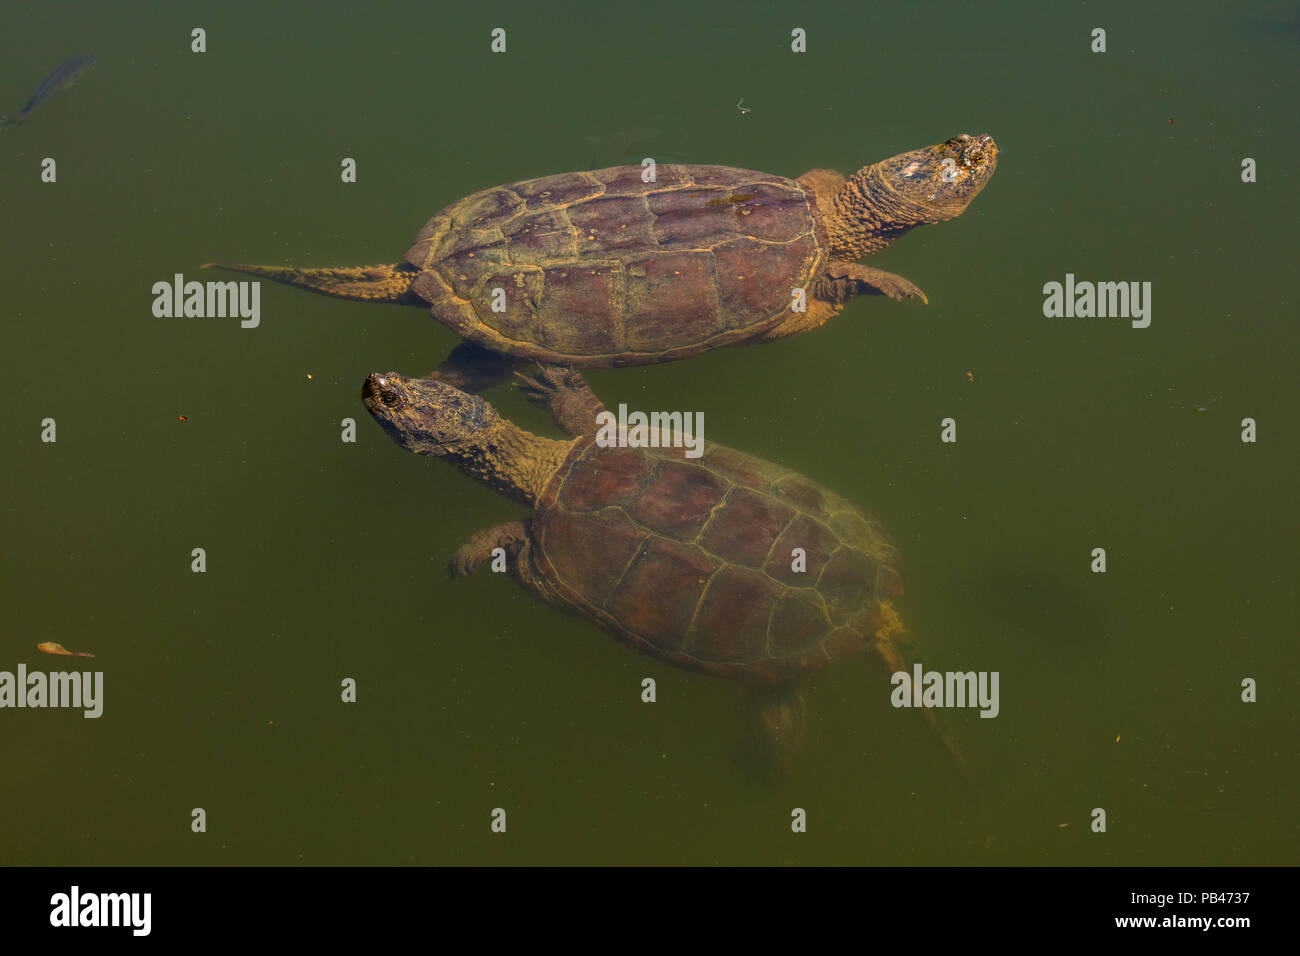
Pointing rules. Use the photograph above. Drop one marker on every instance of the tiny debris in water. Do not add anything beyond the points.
(50, 647)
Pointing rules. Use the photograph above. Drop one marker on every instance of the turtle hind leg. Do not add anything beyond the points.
(472, 368)
(387, 283)
(776, 724)
(566, 394)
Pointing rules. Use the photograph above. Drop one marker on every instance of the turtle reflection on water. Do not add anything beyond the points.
(598, 269)
(687, 559)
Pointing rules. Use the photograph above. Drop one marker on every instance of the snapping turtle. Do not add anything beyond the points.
(601, 268)
(687, 559)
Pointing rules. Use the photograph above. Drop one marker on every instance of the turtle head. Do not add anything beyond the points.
(423, 415)
(940, 180)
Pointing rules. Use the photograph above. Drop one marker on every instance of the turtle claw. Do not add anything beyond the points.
(459, 567)
(531, 387)
(851, 278)
(470, 557)
(549, 381)
(565, 394)
(481, 548)
(467, 560)
(901, 288)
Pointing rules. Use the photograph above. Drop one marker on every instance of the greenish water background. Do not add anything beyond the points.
(325, 560)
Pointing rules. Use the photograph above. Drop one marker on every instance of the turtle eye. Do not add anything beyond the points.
(389, 397)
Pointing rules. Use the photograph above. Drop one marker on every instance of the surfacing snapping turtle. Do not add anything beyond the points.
(602, 269)
(687, 559)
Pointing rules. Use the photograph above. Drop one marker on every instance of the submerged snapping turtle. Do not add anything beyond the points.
(603, 269)
(687, 559)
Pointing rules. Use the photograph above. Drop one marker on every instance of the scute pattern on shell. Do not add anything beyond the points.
(690, 559)
(600, 268)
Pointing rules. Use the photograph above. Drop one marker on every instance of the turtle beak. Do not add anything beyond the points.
(978, 151)
(989, 149)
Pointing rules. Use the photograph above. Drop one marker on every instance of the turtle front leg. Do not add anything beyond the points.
(840, 282)
(478, 550)
(515, 538)
(472, 368)
(843, 280)
(566, 394)
(826, 183)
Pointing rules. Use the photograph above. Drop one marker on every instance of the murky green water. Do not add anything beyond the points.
(325, 560)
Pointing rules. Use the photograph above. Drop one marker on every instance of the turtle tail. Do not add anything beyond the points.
(949, 744)
(887, 647)
(387, 283)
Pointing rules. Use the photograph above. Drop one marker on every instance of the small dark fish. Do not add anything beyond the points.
(63, 76)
